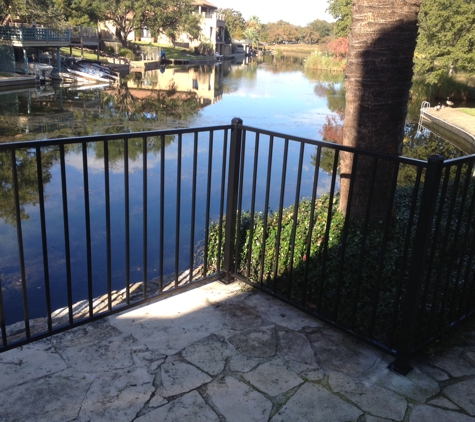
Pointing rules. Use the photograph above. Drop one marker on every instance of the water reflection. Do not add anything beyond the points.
(206, 82)
(271, 93)
(145, 101)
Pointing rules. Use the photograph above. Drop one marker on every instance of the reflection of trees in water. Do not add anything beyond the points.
(26, 165)
(118, 111)
(27, 180)
(324, 76)
(284, 63)
(416, 145)
(116, 148)
(146, 106)
(69, 112)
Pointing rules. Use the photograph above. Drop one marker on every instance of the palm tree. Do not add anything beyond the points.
(251, 35)
(378, 78)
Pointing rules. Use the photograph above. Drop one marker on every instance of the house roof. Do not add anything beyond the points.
(204, 3)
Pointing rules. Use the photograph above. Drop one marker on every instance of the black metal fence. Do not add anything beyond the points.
(181, 208)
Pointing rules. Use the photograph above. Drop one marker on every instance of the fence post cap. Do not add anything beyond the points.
(236, 121)
(436, 157)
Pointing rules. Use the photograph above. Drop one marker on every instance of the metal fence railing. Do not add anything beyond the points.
(99, 224)
(95, 225)
(395, 269)
(27, 34)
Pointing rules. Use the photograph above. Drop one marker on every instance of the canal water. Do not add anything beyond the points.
(272, 93)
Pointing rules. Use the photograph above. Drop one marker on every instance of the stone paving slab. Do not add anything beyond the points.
(226, 353)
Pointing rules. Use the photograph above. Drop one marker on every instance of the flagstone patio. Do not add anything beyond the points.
(227, 353)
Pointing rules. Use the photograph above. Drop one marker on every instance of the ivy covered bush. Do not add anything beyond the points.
(353, 274)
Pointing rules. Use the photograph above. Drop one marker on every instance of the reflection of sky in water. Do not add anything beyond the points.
(283, 102)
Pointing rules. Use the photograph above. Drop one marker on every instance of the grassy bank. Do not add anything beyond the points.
(321, 61)
(295, 48)
(170, 51)
(470, 111)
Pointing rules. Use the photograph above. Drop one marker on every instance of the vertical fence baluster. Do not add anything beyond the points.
(266, 207)
(221, 200)
(87, 214)
(237, 249)
(162, 210)
(295, 219)
(253, 205)
(193, 207)
(21, 251)
(178, 209)
(108, 225)
(44, 243)
(208, 200)
(67, 249)
(281, 210)
(231, 211)
(127, 220)
(308, 248)
(145, 217)
(324, 251)
(416, 271)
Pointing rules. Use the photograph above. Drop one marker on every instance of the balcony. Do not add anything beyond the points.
(34, 37)
(100, 225)
(216, 17)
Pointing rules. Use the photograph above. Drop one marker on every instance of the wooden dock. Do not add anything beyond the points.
(451, 124)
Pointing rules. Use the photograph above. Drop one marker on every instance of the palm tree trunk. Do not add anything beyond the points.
(378, 78)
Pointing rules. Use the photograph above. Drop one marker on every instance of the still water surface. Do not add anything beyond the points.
(274, 94)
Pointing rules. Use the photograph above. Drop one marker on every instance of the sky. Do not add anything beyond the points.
(297, 12)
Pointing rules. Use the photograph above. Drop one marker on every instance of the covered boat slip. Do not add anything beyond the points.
(21, 48)
(36, 51)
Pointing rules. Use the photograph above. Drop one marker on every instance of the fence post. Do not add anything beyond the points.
(404, 346)
(232, 196)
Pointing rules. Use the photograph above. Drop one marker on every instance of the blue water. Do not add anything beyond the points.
(283, 101)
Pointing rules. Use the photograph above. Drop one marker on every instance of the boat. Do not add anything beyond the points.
(88, 76)
(40, 70)
(95, 69)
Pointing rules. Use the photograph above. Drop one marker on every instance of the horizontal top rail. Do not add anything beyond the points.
(130, 135)
(325, 144)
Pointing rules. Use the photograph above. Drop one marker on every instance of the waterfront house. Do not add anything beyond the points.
(212, 30)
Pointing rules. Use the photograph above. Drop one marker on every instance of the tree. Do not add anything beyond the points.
(378, 78)
(235, 23)
(338, 47)
(446, 36)
(253, 30)
(308, 35)
(160, 16)
(250, 34)
(81, 12)
(341, 11)
(40, 11)
(281, 31)
(173, 18)
(324, 28)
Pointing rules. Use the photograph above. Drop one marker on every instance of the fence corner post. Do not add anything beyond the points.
(405, 345)
(231, 202)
